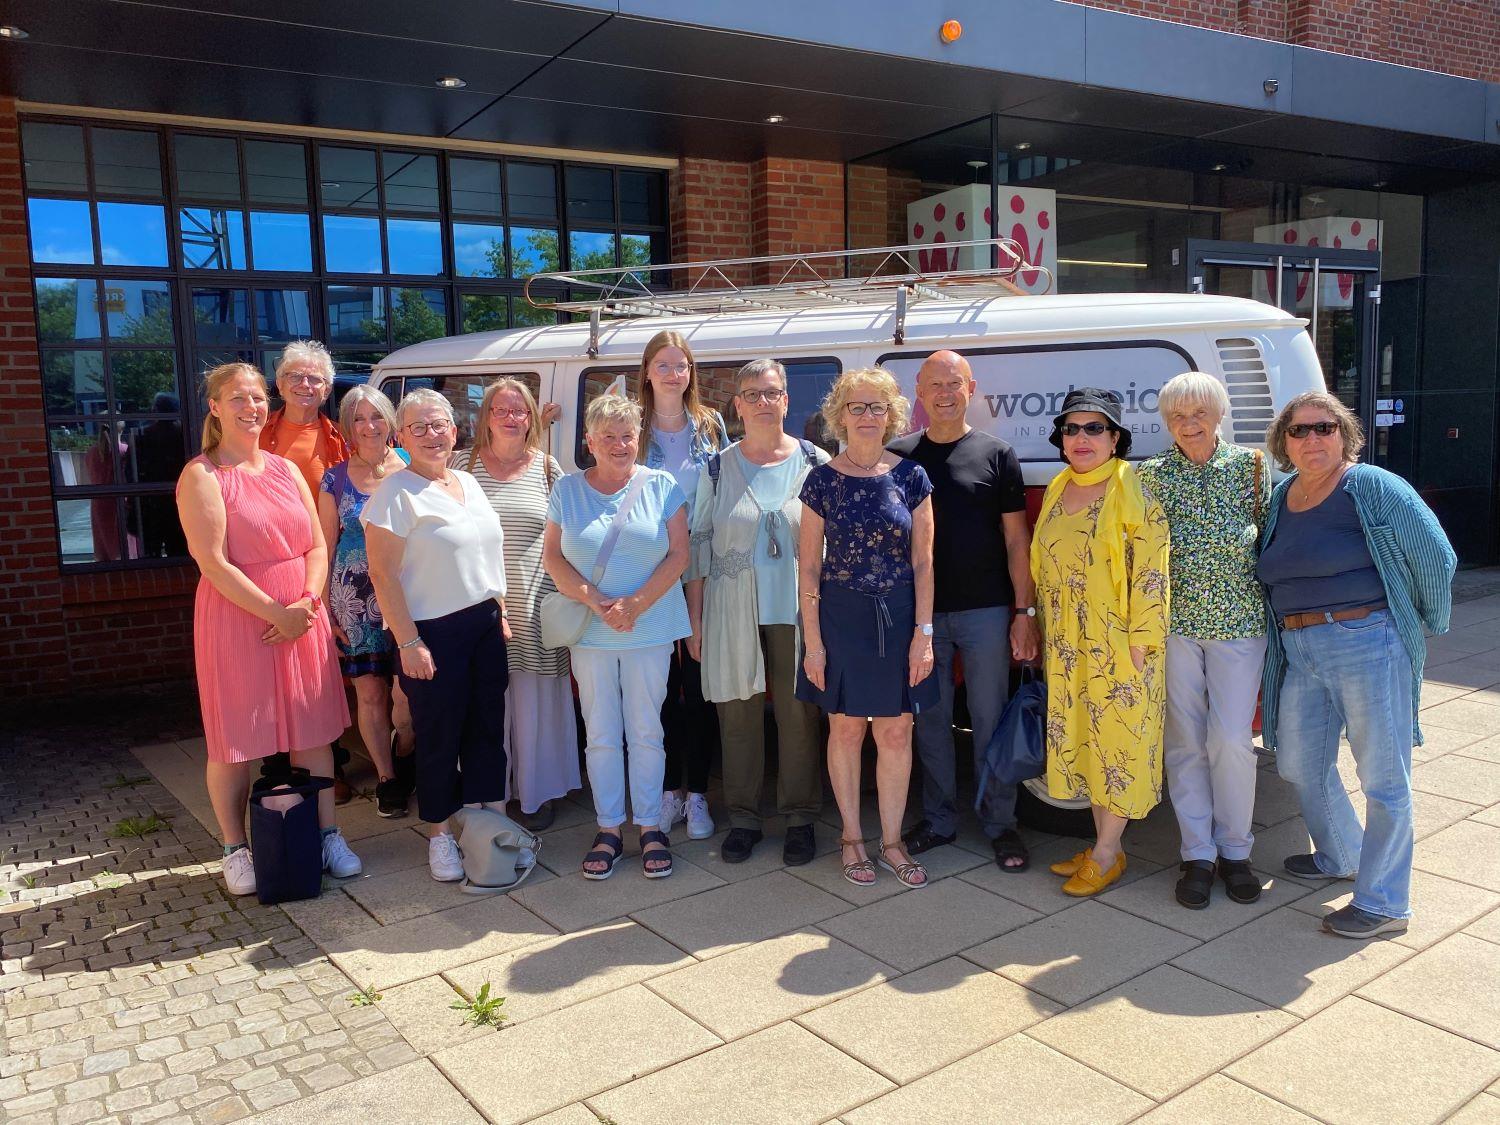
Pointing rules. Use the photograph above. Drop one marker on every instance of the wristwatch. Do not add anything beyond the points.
(925, 630)
(1026, 610)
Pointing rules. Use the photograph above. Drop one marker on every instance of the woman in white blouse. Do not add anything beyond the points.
(437, 562)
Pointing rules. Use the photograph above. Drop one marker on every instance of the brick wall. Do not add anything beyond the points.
(1451, 36)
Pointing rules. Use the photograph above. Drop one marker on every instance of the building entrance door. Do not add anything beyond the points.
(1337, 290)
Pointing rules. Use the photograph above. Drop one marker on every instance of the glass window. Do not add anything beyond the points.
(276, 172)
(154, 518)
(347, 178)
(635, 249)
(133, 234)
(474, 186)
(207, 167)
(410, 181)
(641, 198)
(485, 312)
(73, 381)
(418, 314)
(351, 244)
(213, 238)
(67, 309)
(533, 250)
(532, 190)
(280, 240)
(415, 245)
(356, 314)
(221, 318)
(590, 249)
(126, 161)
(591, 194)
(54, 157)
(282, 315)
(138, 312)
(61, 230)
(526, 315)
(478, 250)
(138, 377)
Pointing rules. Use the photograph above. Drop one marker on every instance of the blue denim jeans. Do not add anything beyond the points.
(982, 637)
(1354, 676)
(621, 692)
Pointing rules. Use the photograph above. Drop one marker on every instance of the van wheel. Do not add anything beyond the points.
(1037, 809)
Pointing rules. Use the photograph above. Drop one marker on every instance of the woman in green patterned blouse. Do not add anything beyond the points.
(1214, 494)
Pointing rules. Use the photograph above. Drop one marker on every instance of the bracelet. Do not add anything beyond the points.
(411, 643)
(810, 594)
(317, 602)
(817, 652)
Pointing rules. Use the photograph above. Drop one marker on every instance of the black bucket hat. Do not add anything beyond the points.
(1098, 401)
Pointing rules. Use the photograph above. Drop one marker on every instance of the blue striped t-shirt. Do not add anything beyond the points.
(584, 515)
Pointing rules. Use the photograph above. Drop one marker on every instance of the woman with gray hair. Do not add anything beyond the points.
(300, 431)
(742, 600)
(634, 520)
(436, 554)
(368, 423)
(1214, 495)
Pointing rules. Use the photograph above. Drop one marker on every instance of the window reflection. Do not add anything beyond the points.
(347, 178)
(213, 238)
(54, 157)
(356, 314)
(152, 523)
(418, 314)
(61, 230)
(485, 312)
(220, 317)
(415, 246)
(280, 241)
(478, 250)
(533, 250)
(641, 197)
(73, 381)
(127, 161)
(474, 186)
(351, 244)
(591, 250)
(282, 315)
(525, 315)
(410, 181)
(531, 189)
(138, 312)
(591, 194)
(153, 449)
(276, 172)
(67, 309)
(139, 377)
(207, 167)
(133, 234)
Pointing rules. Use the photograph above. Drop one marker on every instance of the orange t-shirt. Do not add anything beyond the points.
(307, 448)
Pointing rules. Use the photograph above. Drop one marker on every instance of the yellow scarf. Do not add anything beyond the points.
(1124, 510)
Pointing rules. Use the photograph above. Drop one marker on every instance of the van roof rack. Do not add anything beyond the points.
(881, 275)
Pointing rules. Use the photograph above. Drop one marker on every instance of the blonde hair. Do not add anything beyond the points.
(607, 408)
(896, 417)
(1350, 431)
(482, 431)
(311, 352)
(376, 398)
(702, 416)
(1193, 386)
(214, 382)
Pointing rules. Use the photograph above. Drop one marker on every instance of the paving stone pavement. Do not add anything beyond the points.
(133, 988)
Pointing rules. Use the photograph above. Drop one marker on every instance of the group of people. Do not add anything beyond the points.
(707, 575)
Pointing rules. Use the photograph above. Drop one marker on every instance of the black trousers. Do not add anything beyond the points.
(459, 714)
(690, 725)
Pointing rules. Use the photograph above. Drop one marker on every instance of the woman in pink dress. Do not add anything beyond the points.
(268, 675)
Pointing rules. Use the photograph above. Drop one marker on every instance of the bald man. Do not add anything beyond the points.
(981, 569)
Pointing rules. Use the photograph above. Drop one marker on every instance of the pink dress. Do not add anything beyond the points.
(259, 699)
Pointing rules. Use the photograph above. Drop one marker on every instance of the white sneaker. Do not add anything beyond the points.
(672, 810)
(239, 872)
(443, 859)
(700, 824)
(338, 860)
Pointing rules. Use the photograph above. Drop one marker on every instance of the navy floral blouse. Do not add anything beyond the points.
(867, 524)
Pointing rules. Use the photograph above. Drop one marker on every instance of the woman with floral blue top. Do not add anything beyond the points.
(1214, 495)
(679, 433)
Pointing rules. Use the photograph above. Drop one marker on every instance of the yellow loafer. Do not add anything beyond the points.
(1067, 867)
(1090, 880)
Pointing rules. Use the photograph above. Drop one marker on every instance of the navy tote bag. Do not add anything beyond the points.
(285, 839)
(1018, 749)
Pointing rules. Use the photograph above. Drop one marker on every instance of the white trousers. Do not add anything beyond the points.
(1212, 687)
(621, 692)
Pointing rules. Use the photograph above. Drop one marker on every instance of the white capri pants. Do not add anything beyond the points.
(621, 691)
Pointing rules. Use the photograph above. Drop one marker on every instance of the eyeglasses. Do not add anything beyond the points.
(295, 377)
(671, 368)
(1093, 429)
(509, 412)
(770, 394)
(422, 429)
(877, 409)
(1300, 430)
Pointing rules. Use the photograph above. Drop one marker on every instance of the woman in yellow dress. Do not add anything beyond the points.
(1099, 558)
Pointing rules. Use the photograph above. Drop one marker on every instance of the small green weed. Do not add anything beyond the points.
(363, 997)
(123, 782)
(108, 880)
(482, 1011)
(30, 881)
(140, 826)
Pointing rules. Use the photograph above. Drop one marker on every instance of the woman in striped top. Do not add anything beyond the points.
(541, 731)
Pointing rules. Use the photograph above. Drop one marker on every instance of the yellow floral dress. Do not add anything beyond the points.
(1104, 719)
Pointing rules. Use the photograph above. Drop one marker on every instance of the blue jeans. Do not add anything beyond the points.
(982, 636)
(1354, 676)
(621, 692)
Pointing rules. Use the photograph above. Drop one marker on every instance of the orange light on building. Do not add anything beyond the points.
(950, 31)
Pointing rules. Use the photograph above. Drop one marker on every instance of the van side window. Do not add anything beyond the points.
(463, 392)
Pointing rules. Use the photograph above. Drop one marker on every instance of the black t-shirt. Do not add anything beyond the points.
(975, 480)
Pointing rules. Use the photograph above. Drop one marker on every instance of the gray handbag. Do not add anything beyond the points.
(497, 852)
(564, 620)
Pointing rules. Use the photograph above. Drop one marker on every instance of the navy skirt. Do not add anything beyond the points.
(868, 639)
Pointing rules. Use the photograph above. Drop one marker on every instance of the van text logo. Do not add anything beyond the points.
(1034, 404)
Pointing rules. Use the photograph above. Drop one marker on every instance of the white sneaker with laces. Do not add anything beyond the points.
(239, 872)
(443, 858)
(700, 824)
(338, 860)
(672, 809)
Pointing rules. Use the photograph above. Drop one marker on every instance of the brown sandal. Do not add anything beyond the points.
(860, 867)
(907, 871)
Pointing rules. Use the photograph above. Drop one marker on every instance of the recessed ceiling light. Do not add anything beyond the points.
(330, 185)
(451, 83)
(1218, 167)
(10, 31)
(1378, 184)
(775, 119)
(1021, 146)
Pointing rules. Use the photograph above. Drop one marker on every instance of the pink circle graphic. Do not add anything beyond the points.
(989, 216)
(1338, 243)
(938, 212)
(1354, 227)
(916, 230)
(940, 237)
(1044, 220)
(959, 221)
(1370, 245)
(1017, 204)
(1289, 237)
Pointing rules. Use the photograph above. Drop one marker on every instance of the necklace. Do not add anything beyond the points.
(857, 465)
(672, 417)
(1307, 492)
(377, 469)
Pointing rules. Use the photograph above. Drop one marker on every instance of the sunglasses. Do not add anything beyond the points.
(1093, 429)
(878, 409)
(1300, 430)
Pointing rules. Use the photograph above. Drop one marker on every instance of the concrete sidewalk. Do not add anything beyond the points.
(134, 989)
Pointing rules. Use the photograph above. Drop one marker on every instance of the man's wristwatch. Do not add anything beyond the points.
(925, 630)
(1026, 611)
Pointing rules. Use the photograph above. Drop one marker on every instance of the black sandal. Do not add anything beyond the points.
(662, 869)
(1196, 886)
(1240, 883)
(1009, 845)
(599, 855)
